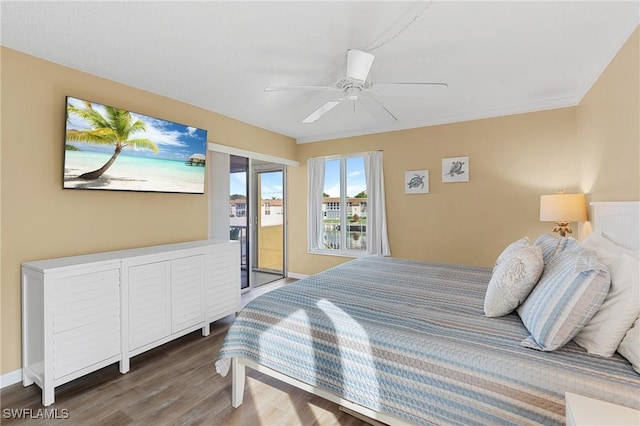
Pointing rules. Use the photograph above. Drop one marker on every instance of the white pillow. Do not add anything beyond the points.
(606, 250)
(630, 346)
(604, 332)
(513, 279)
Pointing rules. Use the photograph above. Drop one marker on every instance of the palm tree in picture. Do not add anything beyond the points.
(114, 129)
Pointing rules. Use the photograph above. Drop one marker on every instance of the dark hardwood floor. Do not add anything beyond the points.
(174, 384)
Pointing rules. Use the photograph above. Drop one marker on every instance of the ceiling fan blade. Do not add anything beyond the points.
(294, 88)
(358, 64)
(315, 115)
(377, 110)
(410, 90)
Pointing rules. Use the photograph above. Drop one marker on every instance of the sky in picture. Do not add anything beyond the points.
(174, 141)
(356, 180)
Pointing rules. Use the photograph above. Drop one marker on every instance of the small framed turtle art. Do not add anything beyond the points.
(416, 182)
(455, 169)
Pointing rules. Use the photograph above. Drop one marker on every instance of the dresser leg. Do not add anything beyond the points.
(48, 396)
(124, 365)
(26, 379)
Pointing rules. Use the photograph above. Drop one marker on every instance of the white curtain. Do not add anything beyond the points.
(377, 238)
(315, 168)
(218, 169)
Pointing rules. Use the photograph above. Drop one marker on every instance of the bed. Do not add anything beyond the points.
(407, 342)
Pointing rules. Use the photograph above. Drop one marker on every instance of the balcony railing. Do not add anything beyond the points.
(239, 233)
(356, 236)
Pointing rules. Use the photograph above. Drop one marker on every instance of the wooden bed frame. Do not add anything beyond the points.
(619, 221)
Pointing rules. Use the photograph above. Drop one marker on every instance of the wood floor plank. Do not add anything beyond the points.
(175, 384)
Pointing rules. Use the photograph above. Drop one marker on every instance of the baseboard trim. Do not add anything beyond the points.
(295, 275)
(10, 378)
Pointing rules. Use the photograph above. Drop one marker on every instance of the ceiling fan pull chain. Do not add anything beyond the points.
(393, 37)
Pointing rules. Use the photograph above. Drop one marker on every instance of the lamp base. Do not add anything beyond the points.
(563, 228)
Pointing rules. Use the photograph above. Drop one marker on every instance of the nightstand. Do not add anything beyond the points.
(588, 411)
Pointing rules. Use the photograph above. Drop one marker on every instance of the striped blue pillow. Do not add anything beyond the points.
(549, 243)
(571, 289)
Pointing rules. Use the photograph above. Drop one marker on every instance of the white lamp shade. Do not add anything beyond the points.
(563, 208)
(358, 64)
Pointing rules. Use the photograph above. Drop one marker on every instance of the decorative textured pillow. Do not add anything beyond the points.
(513, 279)
(572, 287)
(630, 346)
(604, 332)
(518, 244)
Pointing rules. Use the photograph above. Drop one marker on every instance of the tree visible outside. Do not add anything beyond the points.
(114, 129)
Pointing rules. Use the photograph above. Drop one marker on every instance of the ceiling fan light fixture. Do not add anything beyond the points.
(352, 93)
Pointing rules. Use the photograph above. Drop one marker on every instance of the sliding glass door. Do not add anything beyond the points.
(269, 232)
(239, 207)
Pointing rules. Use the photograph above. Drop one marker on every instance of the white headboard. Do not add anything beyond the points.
(619, 221)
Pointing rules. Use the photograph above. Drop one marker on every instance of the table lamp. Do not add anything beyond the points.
(563, 208)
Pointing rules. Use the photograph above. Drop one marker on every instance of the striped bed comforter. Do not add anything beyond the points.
(410, 339)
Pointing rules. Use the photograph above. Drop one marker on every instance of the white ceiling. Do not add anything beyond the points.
(498, 58)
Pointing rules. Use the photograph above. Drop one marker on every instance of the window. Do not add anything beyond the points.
(344, 227)
(346, 213)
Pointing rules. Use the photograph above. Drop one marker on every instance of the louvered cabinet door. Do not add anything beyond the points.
(187, 281)
(149, 303)
(224, 281)
(86, 320)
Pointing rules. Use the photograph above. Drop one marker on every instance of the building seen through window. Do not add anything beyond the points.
(344, 204)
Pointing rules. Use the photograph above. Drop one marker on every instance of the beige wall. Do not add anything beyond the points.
(608, 129)
(41, 220)
(270, 254)
(592, 148)
(512, 161)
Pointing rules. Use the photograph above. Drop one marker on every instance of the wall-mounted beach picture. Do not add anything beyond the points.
(114, 149)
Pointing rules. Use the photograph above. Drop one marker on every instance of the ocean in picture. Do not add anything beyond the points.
(133, 173)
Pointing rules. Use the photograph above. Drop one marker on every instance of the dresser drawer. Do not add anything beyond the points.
(84, 346)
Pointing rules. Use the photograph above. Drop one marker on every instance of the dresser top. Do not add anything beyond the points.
(117, 255)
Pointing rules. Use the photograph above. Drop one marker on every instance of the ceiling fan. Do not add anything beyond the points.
(355, 87)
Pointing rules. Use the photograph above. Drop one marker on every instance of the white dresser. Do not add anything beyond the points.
(82, 313)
